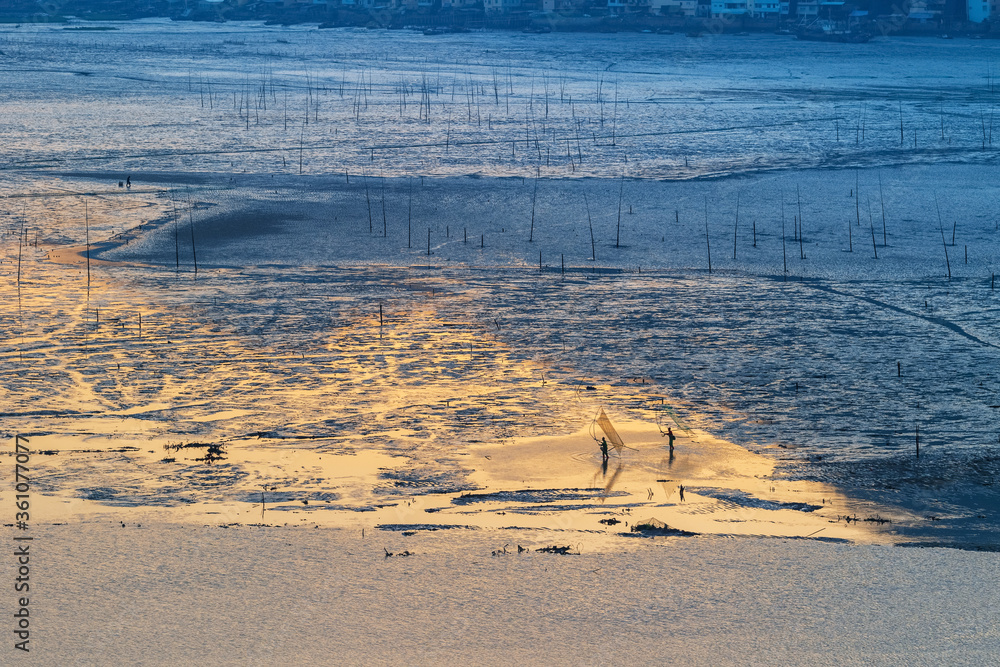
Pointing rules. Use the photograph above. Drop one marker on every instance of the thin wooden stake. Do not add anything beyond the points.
(194, 252)
(882, 199)
(20, 246)
(368, 200)
(621, 190)
(943, 243)
(708, 243)
(857, 197)
(177, 243)
(900, 123)
(86, 217)
(736, 226)
(531, 234)
(593, 245)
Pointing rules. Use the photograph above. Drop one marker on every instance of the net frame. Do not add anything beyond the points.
(614, 440)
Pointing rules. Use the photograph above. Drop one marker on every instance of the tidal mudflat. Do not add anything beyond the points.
(308, 295)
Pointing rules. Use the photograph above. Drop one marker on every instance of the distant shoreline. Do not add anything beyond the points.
(476, 21)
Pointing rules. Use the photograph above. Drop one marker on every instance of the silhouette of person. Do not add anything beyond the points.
(682, 492)
(604, 449)
(671, 437)
(128, 182)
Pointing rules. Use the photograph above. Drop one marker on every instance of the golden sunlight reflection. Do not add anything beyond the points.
(378, 400)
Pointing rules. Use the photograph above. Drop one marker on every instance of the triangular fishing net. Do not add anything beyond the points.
(614, 439)
(666, 417)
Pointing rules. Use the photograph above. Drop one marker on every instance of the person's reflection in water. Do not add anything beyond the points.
(670, 460)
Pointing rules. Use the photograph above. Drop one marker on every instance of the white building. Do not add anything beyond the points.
(757, 8)
(559, 5)
(764, 8)
(628, 6)
(981, 10)
(729, 7)
(500, 6)
(674, 7)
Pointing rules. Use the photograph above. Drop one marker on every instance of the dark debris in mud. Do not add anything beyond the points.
(399, 554)
(56, 452)
(213, 451)
(880, 520)
(656, 527)
(563, 551)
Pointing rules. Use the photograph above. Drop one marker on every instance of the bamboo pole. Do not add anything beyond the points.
(86, 217)
(593, 245)
(784, 255)
(194, 252)
(871, 224)
(736, 225)
(882, 199)
(943, 243)
(708, 242)
(534, 194)
(621, 190)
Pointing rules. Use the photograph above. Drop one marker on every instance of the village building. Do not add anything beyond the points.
(982, 10)
(673, 7)
(501, 6)
(751, 8)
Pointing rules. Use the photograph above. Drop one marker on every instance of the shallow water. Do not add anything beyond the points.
(306, 325)
(166, 95)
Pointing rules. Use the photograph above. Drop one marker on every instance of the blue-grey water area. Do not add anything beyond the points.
(790, 245)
